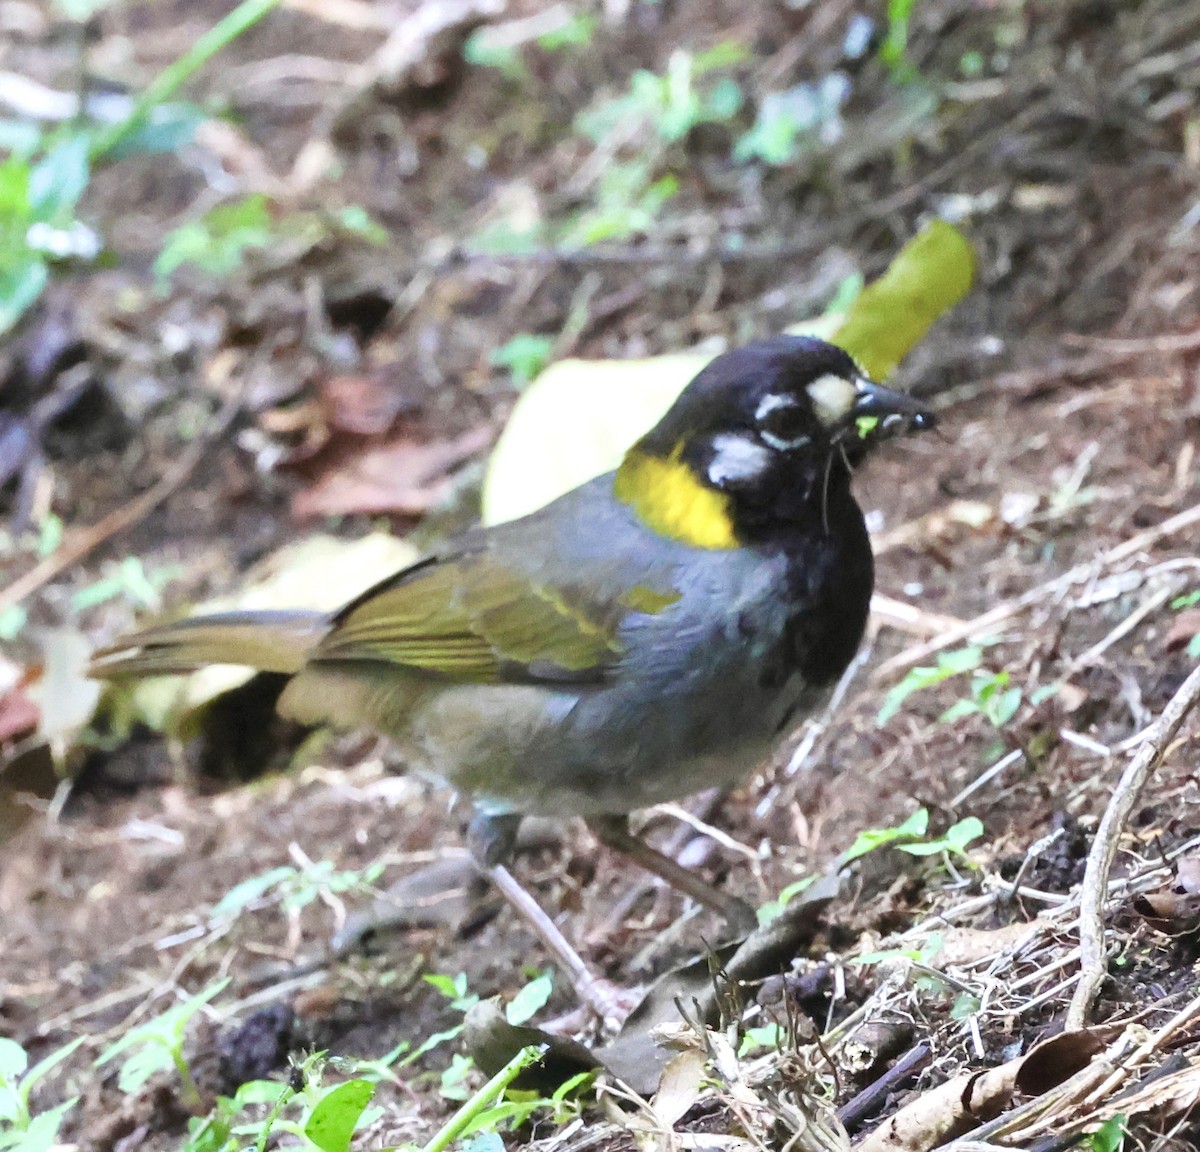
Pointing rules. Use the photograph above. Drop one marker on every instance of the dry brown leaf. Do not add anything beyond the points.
(970, 945)
(947, 1111)
(972, 1098)
(680, 1087)
(18, 715)
(1174, 909)
(403, 476)
(1056, 1060)
(1183, 627)
(364, 405)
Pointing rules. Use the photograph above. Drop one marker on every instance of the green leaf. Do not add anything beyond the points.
(242, 895)
(958, 710)
(12, 621)
(1003, 707)
(965, 1005)
(529, 1001)
(168, 128)
(773, 909)
(483, 49)
(929, 275)
(1110, 1136)
(449, 986)
(949, 664)
(576, 32)
(15, 210)
(894, 49)
(47, 1065)
(335, 1117)
(13, 1059)
(525, 355)
(484, 1142)
(957, 837)
(218, 242)
(22, 280)
(58, 180)
(357, 221)
(764, 1036)
(872, 838)
(41, 1135)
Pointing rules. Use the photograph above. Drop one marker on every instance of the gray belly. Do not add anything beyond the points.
(524, 749)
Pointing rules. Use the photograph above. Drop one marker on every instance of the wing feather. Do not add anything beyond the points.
(467, 617)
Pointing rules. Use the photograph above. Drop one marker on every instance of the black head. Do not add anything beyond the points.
(771, 426)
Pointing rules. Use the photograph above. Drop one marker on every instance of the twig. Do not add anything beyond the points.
(79, 544)
(999, 615)
(1099, 864)
(164, 86)
(856, 1110)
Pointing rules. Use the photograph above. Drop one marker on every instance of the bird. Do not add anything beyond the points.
(654, 632)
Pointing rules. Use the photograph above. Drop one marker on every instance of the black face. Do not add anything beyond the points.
(772, 421)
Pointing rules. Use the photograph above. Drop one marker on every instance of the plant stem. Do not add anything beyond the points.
(175, 75)
(461, 1120)
(190, 1091)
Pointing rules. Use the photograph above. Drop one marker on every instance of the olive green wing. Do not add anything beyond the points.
(468, 617)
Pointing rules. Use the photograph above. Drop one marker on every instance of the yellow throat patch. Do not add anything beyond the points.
(670, 499)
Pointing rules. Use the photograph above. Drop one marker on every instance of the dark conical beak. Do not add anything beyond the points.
(894, 412)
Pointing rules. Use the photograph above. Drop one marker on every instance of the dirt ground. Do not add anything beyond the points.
(1068, 390)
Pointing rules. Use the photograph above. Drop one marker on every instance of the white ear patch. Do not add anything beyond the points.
(737, 459)
(832, 398)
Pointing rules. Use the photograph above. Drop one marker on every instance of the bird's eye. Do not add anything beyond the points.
(782, 422)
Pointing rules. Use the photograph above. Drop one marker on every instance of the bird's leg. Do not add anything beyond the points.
(491, 840)
(613, 832)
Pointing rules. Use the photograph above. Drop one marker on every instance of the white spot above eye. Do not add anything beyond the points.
(832, 397)
(736, 458)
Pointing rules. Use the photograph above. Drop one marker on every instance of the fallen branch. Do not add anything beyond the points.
(1099, 864)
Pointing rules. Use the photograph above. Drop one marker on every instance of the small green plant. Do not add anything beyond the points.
(496, 1107)
(690, 93)
(918, 955)
(768, 1037)
(45, 175)
(217, 243)
(1109, 1137)
(989, 694)
(295, 888)
(872, 838)
(909, 837)
(792, 123)
(321, 1118)
(157, 1046)
(627, 202)
(21, 1129)
(990, 697)
(949, 664)
(894, 49)
(12, 621)
(773, 909)
(525, 356)
(129, 580)
(38, 195)
(1189, 600)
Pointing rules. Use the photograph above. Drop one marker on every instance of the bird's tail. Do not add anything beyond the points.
(268, 641)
